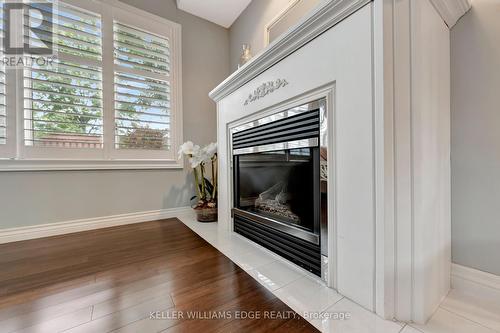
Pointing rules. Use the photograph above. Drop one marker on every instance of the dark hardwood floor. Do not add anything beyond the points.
(113, 279)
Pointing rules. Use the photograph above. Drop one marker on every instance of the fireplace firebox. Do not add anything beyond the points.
(280, 199)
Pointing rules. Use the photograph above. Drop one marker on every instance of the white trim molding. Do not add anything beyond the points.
(462, 277)
(72, 165)
(68, 227)
(320, 20)
(451, 10)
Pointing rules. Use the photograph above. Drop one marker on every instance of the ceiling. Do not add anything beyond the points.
(221, 12)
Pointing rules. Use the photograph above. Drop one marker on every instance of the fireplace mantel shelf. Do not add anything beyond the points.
(320, 20)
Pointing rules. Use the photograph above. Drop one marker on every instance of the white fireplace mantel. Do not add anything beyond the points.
(383, 67)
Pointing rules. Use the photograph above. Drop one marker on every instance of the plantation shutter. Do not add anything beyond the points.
(63, 100)
(142, 89)
(3, 109)
(3, 103)
(98, 85)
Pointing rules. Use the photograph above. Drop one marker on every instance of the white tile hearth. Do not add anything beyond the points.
(360, 320)
(249, 260)
(307, 295)
(409, 329)
(275, 274)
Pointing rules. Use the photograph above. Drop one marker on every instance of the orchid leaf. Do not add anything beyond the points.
(209, 186)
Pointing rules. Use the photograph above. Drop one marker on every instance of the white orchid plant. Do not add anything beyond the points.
(198, 158)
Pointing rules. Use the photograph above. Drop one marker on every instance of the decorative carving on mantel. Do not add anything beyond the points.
(265, 89)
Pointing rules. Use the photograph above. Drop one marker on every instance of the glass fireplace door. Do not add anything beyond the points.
(280, 185)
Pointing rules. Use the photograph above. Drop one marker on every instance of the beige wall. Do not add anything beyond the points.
(250, 26)
(475, 77)
(29, 198)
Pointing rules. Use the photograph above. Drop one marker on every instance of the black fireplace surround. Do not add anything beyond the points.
(277, 195)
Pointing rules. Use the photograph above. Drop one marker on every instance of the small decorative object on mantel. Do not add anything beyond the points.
(206, 190)
(246, 55)
(265, 89)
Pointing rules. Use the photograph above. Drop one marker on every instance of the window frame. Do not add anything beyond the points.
(9, 148)
(31, 153)
(16, 156)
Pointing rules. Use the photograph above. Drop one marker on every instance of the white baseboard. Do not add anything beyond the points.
(473, 281)
(61, 228)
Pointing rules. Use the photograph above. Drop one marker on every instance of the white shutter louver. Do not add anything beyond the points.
(63, 101)
(142, 89)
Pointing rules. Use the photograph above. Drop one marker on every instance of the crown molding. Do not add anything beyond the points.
(324, 17)
(451, 10)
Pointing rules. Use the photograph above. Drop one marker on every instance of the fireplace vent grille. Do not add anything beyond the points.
(302, 126)
(304, 254)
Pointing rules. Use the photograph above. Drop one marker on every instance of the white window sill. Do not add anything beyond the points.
(64, 165)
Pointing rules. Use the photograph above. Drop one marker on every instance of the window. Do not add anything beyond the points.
(112, 99)
(142, 89)
(63, 106)
(63, 101)
(3, 114)
(142, 115)
(3, 111)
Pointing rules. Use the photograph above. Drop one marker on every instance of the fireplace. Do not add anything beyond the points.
(279, 191)
(384, 162)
